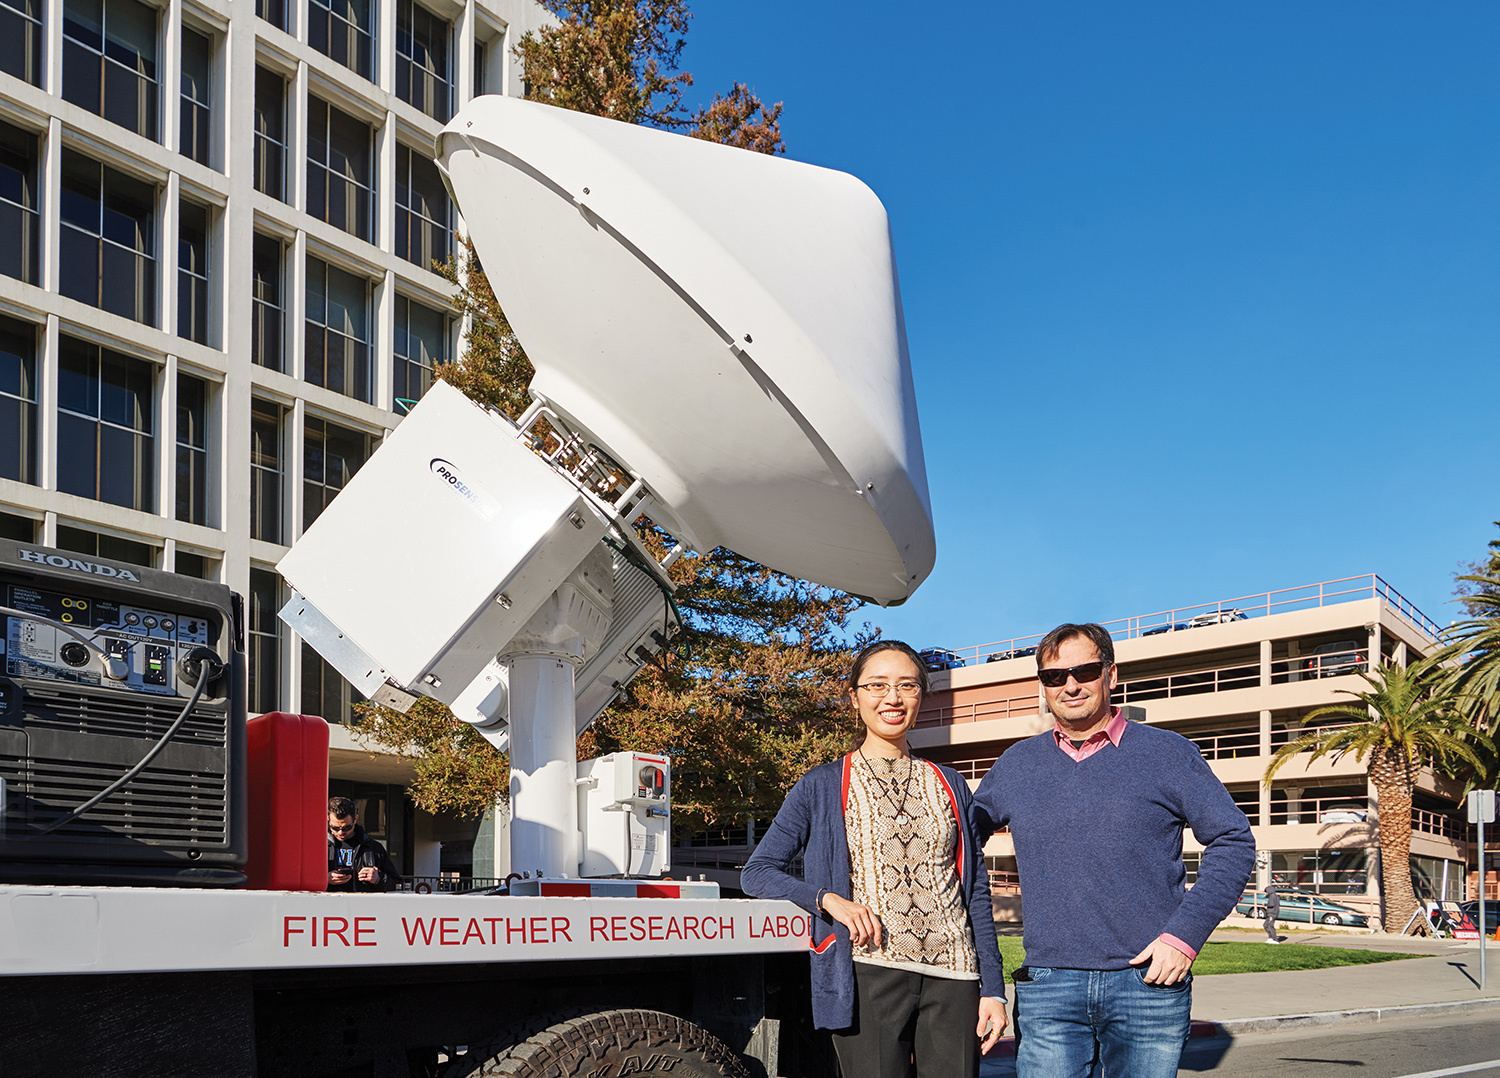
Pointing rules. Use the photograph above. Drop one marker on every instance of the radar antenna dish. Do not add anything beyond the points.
(727, 324)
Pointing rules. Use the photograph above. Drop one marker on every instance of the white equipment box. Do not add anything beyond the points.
(624, 807)
(480, 530)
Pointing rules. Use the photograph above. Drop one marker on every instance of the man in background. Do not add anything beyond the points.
(356, 862)
(1097, 807)
(1273, 911)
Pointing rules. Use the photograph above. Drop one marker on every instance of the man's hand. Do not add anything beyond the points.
(1168, 964)
(863, 925)
(338, 877)
(991, 1022)
(369, 875)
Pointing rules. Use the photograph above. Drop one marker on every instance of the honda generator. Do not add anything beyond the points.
(122, 724)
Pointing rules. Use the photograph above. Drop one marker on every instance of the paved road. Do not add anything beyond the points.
(1426, 1048)
(1431, 1048)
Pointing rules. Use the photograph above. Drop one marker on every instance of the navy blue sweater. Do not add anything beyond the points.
(1099, 845)
(811, 823)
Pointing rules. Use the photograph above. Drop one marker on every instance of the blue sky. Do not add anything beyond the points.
(1201, 298)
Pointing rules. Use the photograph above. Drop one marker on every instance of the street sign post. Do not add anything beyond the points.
(1481, 812)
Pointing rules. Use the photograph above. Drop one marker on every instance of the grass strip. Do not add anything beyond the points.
(1246, 957)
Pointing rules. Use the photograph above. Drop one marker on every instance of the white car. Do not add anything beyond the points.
(1217, 617)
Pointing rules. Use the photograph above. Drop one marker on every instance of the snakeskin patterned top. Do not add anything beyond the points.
(902, 841)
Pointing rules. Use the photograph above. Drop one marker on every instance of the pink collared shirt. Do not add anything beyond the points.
(1110, 735)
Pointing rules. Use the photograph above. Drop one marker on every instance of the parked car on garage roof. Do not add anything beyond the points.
(941, 659)
(1217, 617)
(1157, 630)
(1013, 653)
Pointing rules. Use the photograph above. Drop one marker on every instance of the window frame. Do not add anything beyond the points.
(143, 438)
(104, 201)
(322, 177)
(266, 141)
(358, 42)
(192, 113)
(193, 451)
(195, 283)
(318, 329)
(24, 408)
(403, 361)
(26, 164)
(411, 221)
(107, 99)
(267, 470)
(263, 312)
(438, 89)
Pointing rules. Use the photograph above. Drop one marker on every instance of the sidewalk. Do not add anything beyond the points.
(1444, 981)
(1447, 981)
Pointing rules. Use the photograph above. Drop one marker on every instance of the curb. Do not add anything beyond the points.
(1230, 1027)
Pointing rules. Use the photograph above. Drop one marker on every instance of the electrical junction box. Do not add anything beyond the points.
(449, 538)
(624, 813)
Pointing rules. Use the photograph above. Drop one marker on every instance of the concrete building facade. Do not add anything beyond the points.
(218, 221)
(1236, 678)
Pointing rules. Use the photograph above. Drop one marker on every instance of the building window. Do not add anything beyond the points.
(265, 641)
(424, 232)
(192, 272)
(17, 401)
(339, 183)
(105, 445)
(108, 256)
(21, 39)
(268, 314)
(192, 449)
(421, 344)
(265, 471)
(422, 72)
(342, 31)
(197, 96)
(331, 456)
(108, 547)
(20, 529)
(185, 563)
(270, 133)
(481, 74)
(324, 691)
(338, 331)
(20, 223)
(109, 61)
(273, 11)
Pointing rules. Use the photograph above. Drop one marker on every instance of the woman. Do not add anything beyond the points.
(904, 952)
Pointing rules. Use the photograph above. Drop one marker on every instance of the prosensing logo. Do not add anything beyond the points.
(77, 565)
(476, 499)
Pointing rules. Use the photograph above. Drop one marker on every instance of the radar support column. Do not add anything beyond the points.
(543, 763)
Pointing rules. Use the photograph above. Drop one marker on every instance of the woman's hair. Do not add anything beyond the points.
(857, 669)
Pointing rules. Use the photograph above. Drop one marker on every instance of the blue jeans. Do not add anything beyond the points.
(1072, 1023)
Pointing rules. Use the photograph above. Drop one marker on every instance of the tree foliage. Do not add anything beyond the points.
(1479, 579)
(1399, 724)
(1468, 666)
(748, 696)
(615, 58)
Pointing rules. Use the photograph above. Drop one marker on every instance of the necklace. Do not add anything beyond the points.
(902, 818)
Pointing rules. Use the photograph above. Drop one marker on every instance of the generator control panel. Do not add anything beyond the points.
(148, 642)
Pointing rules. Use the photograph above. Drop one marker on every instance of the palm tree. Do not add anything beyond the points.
(1470, 662)
(1399, 723)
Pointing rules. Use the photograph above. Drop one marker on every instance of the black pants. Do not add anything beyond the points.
(900, 1014)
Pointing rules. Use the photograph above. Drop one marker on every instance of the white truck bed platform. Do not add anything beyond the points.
(55, 930)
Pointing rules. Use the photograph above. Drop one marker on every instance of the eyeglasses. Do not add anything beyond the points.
(339, 829)
(881, 689)
(1083, 674)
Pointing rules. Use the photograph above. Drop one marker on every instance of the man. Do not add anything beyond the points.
(1273, 911)
(1096, 807)
(356, 862)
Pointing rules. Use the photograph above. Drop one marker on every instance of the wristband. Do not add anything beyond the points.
(818, 902)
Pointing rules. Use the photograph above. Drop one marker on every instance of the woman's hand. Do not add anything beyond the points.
(992, 1022)
(863, 925)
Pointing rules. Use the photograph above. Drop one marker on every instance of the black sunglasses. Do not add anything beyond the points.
(1083, 674)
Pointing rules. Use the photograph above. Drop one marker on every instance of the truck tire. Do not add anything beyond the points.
(605, 1045)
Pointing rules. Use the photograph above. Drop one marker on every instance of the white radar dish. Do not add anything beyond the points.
(724, 323)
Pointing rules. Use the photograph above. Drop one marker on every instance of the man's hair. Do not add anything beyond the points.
(1097, 634)
(340, 808)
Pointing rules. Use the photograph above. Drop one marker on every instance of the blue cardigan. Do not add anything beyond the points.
(811, 823)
